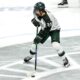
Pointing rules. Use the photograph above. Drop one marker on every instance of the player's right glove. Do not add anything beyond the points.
(36, 23)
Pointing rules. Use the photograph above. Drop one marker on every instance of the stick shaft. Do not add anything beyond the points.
(36, 51)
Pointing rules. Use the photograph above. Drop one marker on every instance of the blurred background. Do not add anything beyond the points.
(16, 15)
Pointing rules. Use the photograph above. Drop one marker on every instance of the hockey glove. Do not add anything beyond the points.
(35, 23)
(37, 40)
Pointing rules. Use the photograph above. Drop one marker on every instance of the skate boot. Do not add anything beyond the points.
(28, 58)
(66, 63)
(63, 4)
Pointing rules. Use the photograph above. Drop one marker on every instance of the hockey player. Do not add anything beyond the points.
(49, 27)
(64, 3)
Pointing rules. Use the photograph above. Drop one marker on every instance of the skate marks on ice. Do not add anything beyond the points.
(18, 70)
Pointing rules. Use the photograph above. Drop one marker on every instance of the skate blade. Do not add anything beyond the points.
(63, 6)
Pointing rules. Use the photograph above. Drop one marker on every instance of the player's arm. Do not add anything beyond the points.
(46, 30)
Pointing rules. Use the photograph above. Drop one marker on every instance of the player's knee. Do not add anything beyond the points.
(58, 48)
(56, 45)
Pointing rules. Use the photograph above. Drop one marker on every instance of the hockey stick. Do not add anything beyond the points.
(36, 48)
(36, 51)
